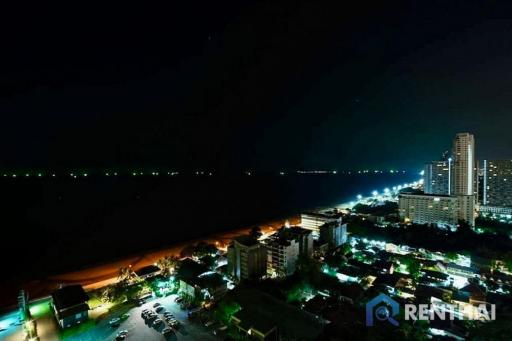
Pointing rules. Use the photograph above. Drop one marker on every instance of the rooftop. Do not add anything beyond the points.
(190, 269)
(147, 270)
(69, 296)
(263, 311)
(246, 240)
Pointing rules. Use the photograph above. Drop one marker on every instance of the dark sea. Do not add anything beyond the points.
(54, 225)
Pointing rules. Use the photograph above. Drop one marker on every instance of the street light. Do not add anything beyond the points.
(359, 197)
(375, 193)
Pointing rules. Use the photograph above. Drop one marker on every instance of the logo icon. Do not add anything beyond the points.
(383, 308)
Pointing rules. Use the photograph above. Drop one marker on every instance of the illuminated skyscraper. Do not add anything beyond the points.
(464, 179)
(497, 183)
(437, 177)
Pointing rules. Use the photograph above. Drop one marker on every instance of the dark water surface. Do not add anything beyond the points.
(53, 225)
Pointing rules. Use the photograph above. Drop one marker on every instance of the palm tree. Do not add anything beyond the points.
(125, 274)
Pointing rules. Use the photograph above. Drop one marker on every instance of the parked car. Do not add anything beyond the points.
(160, 308)
(116, 321)
(156, 305)
(157, 322)
(122, 333)
(167, 331)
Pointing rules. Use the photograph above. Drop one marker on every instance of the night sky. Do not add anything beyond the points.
(243, 85)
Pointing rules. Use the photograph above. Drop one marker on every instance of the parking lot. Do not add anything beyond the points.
(140, 329)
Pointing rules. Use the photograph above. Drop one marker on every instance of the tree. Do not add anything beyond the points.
(335, 260)
(208, 261)
(125, 274)
(307, 268)
(225, 309)
(452, 256)
(168, 265)
(113, 293)
(346, 249)
(499, 329)
(132, 291)
(361, 245)
(204, 249)
(413, 267)
(507, 259)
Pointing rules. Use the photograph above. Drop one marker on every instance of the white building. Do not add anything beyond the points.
(442, 210)
(313, 220)
(284, 248)
(282, 254)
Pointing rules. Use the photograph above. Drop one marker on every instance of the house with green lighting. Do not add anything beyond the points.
(209, 285)
(70, 306)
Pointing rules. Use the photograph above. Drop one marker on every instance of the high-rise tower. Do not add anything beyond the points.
(463, 182)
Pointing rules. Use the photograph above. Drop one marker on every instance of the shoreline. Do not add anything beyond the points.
(98, 276)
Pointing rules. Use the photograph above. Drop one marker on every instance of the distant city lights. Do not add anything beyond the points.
(38, 173)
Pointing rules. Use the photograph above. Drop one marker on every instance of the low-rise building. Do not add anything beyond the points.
(148, 271)
(70, 306)
(460, 270)
(209, 285)
(495, 210)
